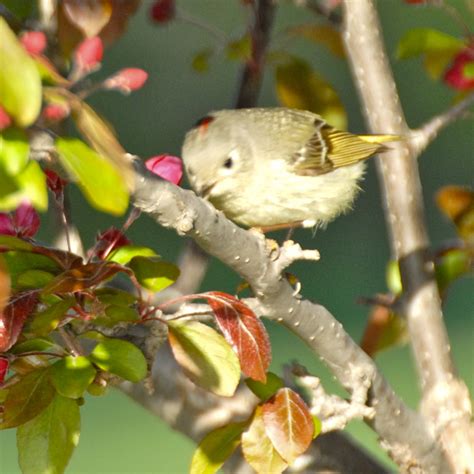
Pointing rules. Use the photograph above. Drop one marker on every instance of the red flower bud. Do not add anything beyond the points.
(109, 240)
(54, 182)
(34, 42)
(55, 112)
(88, 55)
(5, 119)
(163, 11)
(3, 368)
(127, 80)
(460, 75)
(167, 167)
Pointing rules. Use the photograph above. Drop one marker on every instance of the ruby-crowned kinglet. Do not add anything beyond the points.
(277, 167)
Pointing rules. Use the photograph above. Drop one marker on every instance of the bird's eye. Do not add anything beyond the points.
(228, 163)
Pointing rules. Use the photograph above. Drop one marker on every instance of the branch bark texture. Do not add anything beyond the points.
(405, 434)
(445, 400)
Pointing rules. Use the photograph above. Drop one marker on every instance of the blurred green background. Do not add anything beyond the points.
(117, 435)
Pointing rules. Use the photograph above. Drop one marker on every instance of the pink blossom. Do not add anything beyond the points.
(54, 182)
(34, 42)
(24, 222)
(55, 112)
(127, 80)
(163, 11)
(88, 55)
(167, 167)
(3, 368)
(457, 76)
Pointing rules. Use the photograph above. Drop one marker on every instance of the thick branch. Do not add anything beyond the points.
(405, 217)
(403, 430)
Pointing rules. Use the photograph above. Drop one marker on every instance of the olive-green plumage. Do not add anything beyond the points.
(276, 166)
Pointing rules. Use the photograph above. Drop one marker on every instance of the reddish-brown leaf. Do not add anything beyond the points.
(13, 318)
(288, 424)
(244, 332)
(5, 284)
(83, 277)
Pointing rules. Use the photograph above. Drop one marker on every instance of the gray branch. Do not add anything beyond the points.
(405, 435)
(445, 400)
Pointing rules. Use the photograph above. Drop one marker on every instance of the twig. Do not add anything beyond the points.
(247, 254)
(408, 236)
(424, 135)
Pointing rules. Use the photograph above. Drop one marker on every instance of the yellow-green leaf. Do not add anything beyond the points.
(258, 450)
(20, 82)
(299, 87)
(98, 179)
(46, 443)
(325, 35)
(72, 375)
(215, 448)
(154, 274)
(14, 150)
(205, 356)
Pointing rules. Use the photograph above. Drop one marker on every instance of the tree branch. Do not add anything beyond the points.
(406, 436)
(444, 400)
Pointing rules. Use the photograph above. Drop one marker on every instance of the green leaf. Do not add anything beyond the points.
(19, 262)
(436, 63)
(121, 313)
(20, 83)
(30, 185)
(33, 279)
(393, 278)
(98, 179)
(468, 70)
(27, 398)
(46, 443)
(451, 265)
(14, 150)
(265, 390)
(205, 356)
(216, 448)
(317, 426)
(44, 322)
(9, 242)
(299, 87)
(240, 50)
(114, 296)
(394, 332)
(121, 358)
(124, 254)
(72, 375)
(200, 62)
(8, 186)
(37, 344)
(154, 274)
(427, 40)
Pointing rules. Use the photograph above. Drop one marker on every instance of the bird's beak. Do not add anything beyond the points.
(205, 191)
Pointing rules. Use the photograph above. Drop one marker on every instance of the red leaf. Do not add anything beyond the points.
(109, 240)
(13, 318)
(163, 11)
(167, 167)
(5, 120)
(127, 80)
(34, 42)
(244, 331)
(88, 55)
(288, 424)
(3, 368)
(6, 224)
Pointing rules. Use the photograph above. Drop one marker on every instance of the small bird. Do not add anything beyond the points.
(275, 168)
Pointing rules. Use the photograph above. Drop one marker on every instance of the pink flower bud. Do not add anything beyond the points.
(54, 182)
(163, 11)
(5, 119)
(127, 80)
(55, 112)
(34, 42)
(3, 368)
(109, 240)
(457, 75)
(88, 55)
(167, 167)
